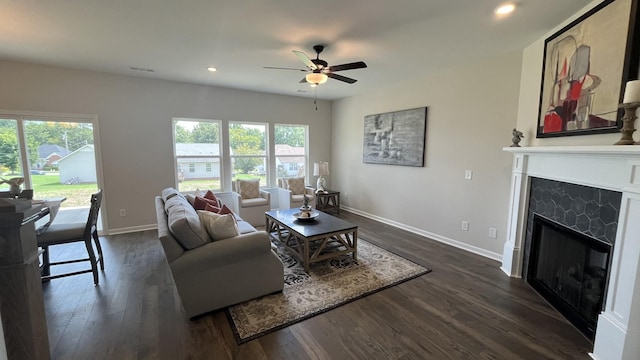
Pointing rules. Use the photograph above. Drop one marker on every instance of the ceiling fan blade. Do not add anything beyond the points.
(305, 59)
(341, 78)
(283, 68)
(349, 66)
(304, 80)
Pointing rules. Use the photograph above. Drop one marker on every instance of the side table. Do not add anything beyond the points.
(328, 200)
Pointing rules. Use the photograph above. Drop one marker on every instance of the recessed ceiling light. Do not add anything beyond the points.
(505, 9)
(212, 69)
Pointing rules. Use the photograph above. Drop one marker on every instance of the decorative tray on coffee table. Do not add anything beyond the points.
(312, 215)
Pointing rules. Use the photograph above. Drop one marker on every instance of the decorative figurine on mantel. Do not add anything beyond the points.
(14, 184)
(517, 136)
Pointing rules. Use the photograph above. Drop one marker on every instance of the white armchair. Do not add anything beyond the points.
(291, 192)
(251, 202)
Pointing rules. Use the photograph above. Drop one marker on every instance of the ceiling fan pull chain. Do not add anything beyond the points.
(315, 97)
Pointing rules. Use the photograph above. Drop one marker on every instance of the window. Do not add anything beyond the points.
(197, 147)
(10, 159)
(291, 150)
(248, 144)
(56, 156)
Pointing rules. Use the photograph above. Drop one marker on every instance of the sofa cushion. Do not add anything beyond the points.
(249, 189)
(175, 201)
(296, 185)
(168, 193)
(218, 226)
(184, 224)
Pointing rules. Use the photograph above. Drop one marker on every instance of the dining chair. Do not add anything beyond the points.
(58, 234)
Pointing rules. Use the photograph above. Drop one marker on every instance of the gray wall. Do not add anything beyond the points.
(471, 112)
(134, 116)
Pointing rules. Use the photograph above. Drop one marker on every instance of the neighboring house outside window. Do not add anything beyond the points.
(197, 148)
(291, 150)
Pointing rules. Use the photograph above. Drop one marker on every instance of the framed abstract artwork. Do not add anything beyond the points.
(586, 66)
(395, 138)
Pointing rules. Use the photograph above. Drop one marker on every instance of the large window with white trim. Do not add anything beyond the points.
(248, 151)
(290, 150)
(197, 154)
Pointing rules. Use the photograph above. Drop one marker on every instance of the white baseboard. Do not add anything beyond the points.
(131, 229)
(443, 239)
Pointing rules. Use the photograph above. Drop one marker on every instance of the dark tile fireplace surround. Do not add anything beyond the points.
(580, 224)
(614, 168)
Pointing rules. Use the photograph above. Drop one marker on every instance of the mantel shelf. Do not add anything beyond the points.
(592, 150)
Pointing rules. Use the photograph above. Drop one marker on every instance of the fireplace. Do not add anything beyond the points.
(570, 270)
(609, 168)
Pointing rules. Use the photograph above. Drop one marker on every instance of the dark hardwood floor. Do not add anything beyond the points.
(466, 308)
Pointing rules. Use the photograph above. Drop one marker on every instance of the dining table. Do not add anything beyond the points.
(48, 212)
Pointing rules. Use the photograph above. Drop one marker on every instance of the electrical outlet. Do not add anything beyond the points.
(468, 174)
(123, 212)
(493, 233)
(465, 226)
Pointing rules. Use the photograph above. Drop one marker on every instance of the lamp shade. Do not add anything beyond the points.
(321, 168)
(316, 78)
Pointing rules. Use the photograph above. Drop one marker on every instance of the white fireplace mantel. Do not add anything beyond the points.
(614, 168)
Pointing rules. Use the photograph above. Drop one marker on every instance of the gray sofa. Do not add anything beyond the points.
(210, 275)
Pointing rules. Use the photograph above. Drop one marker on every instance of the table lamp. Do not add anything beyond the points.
(320, 169)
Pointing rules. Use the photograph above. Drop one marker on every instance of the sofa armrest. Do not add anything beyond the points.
(223, 252)
(309, 190)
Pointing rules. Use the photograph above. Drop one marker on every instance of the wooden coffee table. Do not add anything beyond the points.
(315, 240)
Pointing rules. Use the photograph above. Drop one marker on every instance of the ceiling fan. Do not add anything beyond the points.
(319, 70)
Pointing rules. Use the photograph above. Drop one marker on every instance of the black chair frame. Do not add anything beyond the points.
(90, 238)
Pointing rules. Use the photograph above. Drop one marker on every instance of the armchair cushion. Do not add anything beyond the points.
(296, 185)
(254, 202)
(249, 189)
(218, 226)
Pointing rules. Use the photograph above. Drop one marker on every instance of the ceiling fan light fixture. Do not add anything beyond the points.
(316, 78)
(505, 9)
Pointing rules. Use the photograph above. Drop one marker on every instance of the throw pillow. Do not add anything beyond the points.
(249, 189)
(200, 203)
(212, 208)
(296, 185)
(211, 196)
(218, 226)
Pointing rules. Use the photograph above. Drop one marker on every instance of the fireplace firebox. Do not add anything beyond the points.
(570, 270)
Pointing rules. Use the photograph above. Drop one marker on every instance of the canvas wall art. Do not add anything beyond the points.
(395, 138)
(586, 65)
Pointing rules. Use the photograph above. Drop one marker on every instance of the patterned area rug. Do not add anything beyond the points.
(329, 284)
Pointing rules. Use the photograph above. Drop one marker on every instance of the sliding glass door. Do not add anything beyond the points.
(55, 155)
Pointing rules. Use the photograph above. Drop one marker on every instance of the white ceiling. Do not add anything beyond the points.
(398, 40)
